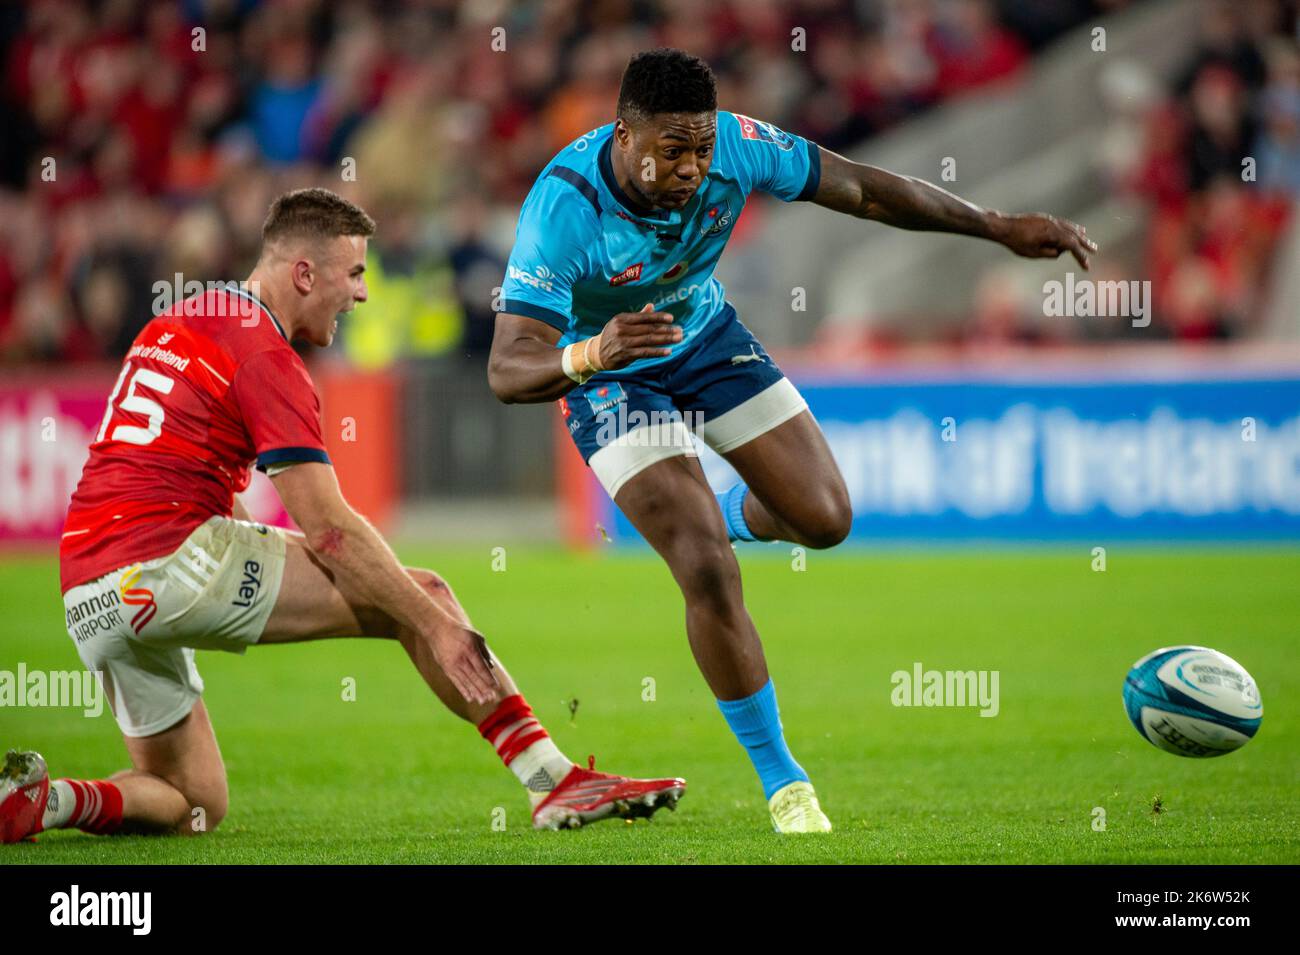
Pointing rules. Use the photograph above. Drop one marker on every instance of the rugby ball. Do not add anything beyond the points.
(1192, 701)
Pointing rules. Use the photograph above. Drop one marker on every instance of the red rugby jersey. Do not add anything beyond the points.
(208, 388)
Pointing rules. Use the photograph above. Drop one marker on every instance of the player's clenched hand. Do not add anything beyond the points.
(463, 655)
(632, 335)
(1040, 236)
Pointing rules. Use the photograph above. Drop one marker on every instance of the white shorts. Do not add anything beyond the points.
(138, 626)
(623, 458)
(723, 388)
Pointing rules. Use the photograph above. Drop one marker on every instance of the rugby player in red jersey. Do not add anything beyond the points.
(158, 557)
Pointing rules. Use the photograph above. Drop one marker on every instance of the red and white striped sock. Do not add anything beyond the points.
(91, 805)
(525, 747)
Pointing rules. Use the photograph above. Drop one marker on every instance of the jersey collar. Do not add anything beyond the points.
(236, 289)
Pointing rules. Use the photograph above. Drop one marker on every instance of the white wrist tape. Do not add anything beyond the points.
(566, 362)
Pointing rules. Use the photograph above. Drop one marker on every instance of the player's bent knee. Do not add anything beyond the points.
(440, 591)
(208, 808)
(430, 582)
(827, 531)
(828, 524)
(376, 621)
(437, 588)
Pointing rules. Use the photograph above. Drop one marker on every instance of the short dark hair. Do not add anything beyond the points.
(666, 81)
(314, 214)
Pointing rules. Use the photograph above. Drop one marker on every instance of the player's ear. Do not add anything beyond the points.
(304, 275)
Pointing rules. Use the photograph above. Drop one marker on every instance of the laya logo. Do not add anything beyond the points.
(540, 277)
(603, 397)
(673, 274)
(564, 409)
(249, 586)
(758, 131)
(134, 596)
(716, 221)
(164, 339)
(629, 274)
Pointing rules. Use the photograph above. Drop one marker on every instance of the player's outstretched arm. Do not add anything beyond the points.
(347, 544)
(525, 367)
(909, 203)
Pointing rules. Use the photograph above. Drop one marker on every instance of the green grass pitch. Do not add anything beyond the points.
(392, 777)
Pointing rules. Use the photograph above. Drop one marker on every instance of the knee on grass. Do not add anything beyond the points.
(190, 817)
(205, 811)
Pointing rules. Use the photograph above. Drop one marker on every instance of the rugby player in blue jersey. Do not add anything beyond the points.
(610, 306)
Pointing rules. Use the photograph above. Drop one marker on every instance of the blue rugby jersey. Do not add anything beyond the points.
(583, 254)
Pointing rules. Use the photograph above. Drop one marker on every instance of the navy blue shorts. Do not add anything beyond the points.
(724, 390)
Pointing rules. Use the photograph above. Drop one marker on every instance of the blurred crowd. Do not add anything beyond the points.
(1220, 169)
(1214, 160)
(142, 140)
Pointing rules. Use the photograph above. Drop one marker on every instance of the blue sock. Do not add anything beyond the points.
(757, 725)
(732, 502)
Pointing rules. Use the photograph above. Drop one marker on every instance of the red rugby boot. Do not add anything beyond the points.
(585, 795)
(24, 787)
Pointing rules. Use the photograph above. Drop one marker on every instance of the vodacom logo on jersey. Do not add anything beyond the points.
(135, 596)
